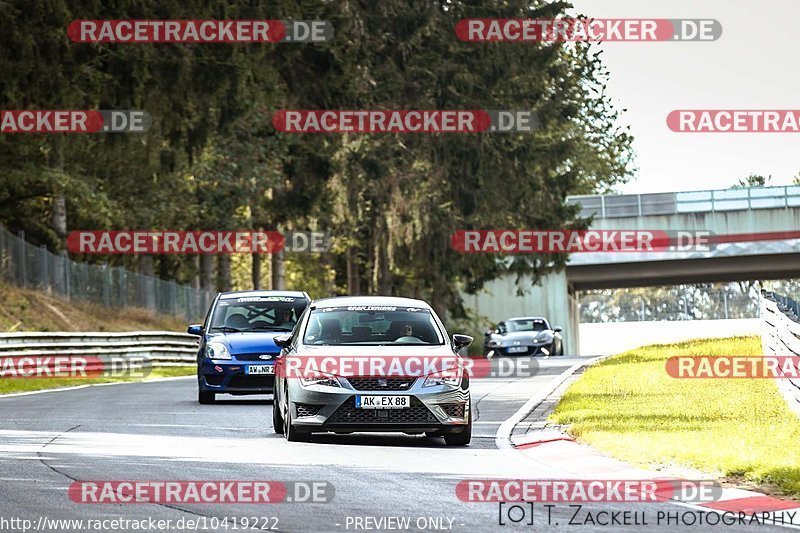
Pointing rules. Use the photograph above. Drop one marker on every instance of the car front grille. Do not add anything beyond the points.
(307, 409)
(255, 356)
(453, 410)
(242, 381)
(348, 414)
(381, 384)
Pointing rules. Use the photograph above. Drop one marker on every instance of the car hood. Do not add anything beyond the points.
(249, 341)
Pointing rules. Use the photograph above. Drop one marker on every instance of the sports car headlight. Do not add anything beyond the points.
(448, 377)
(319, 378)
(544, 336)
(217, 350)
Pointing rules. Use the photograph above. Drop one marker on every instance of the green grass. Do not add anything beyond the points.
(9, 385)
(739, 429)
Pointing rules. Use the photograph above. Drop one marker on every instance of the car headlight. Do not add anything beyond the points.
(448, 377)
(319, 378)
(217, 350)
(544, 337)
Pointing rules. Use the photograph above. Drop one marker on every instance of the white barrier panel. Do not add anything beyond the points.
(780, 336)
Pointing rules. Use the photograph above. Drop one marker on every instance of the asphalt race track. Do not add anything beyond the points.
(157, 431)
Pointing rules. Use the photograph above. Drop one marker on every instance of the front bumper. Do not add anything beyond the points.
(230, 377)
(322, 408)
(530, 349)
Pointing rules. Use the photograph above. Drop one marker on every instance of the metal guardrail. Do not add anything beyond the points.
(780, 336)
(152, 348)
(673, 203)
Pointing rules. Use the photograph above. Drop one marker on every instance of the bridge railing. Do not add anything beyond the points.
(673, 203)
(780, 336)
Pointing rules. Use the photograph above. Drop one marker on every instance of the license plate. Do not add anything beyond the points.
(383, 402)
(517, 349)
(259, 369)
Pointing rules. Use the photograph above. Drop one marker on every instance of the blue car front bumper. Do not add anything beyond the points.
(235, 377)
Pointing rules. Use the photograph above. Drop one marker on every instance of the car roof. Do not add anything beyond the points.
(249, 294)
(526, 318)
(341, 301)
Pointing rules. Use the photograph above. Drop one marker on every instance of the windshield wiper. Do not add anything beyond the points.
(268, 328)
(227, 329)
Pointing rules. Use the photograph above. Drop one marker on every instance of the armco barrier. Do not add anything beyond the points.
(155, 348)
(780, 335)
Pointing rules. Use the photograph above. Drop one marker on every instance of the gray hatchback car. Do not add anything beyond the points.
(407, 386)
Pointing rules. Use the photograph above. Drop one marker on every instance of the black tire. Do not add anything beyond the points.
(560, 348)
(463, 437)
(289, 431)
(206, 398)
(277, 419)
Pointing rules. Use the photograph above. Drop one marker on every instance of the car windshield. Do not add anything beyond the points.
(259, 313)
(372, 325)
(533, 324)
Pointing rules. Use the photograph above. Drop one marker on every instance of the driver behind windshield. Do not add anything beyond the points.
(253, 316)
(286, 319)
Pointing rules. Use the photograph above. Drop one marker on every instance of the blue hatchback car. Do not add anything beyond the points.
(237, 348)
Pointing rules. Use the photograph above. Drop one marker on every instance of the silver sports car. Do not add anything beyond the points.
(372, 364)
(531, 335)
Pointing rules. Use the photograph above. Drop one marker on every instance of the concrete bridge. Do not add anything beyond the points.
(740, 213)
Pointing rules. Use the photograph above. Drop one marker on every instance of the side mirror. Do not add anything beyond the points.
(195, 329)
(557, 329)
(461, 341)
(283, 340)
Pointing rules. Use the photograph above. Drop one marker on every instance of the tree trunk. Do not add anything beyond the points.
(439, 301)
(225, 282)
(146, 265)
(55, 163)
(147, 290)
(196, 267)
(278, 272)
(207, 272)
(163, 267)
(268, 275)
(60, 215)
(353, 274)
(257, 271)
(329, 286)
(383, 276)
